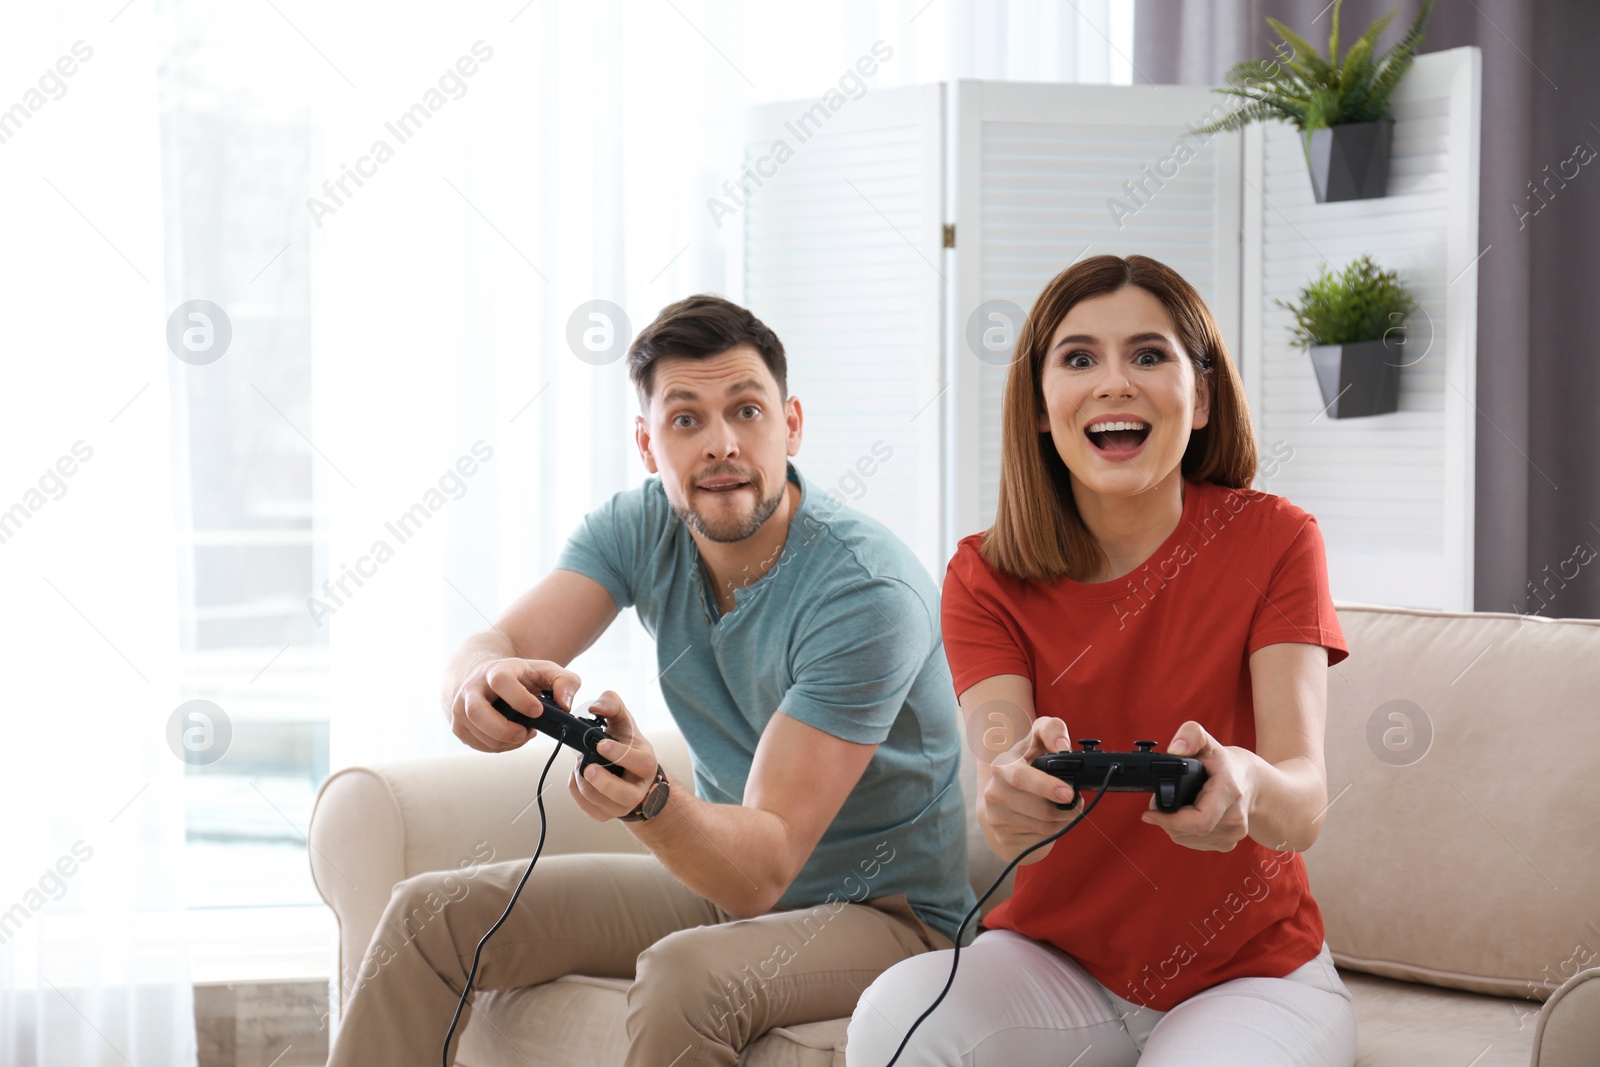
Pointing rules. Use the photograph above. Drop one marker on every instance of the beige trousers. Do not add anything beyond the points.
(704, 984)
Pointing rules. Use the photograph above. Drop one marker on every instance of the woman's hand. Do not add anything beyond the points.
(1017, 805)
(1219, 818)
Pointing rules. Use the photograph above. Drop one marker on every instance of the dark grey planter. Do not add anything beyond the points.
(1359, 379)
(1351, 161)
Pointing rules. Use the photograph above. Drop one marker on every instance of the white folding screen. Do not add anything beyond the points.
(840, 252)
(1043, 176)
(901, 344)
(1393, 494)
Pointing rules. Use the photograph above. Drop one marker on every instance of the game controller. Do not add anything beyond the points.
(583, 735)
(1175, 780)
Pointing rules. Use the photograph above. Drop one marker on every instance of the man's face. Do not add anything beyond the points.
(720, 438)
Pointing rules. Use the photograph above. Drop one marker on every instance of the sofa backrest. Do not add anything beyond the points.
(1463, 756)
(1460, 847)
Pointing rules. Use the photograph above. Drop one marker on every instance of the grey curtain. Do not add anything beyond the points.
(1538, 430)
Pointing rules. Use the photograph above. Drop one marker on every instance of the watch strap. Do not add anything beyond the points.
(638, 814)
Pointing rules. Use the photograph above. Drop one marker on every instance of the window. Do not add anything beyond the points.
(236, 136)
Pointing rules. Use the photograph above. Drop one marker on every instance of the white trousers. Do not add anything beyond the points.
(1017, 1002)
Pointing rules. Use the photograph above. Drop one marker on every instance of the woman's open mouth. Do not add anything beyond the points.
(1118, 440)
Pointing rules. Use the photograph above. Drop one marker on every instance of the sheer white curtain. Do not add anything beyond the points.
(482, 175)
(93, 968)
(573, 164)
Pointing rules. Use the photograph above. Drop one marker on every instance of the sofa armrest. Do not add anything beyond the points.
(375, 826)
(1569, 1023)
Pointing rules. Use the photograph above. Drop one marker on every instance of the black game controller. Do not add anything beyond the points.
(1175, 780)
(584, 735)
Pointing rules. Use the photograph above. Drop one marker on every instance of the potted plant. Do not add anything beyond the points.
(1337, 105)
(1352, 323)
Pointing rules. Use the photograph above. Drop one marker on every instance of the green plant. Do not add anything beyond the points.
(1359, 303)
(1312, 91)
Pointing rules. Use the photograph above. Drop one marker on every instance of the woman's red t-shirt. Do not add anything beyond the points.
(1131, 659)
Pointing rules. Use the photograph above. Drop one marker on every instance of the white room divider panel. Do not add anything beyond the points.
(900, 327)
(841, 254)
(1047, 174)
(1392, 493)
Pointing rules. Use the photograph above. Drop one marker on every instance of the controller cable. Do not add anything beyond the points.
(955, 957)
(450, 1033)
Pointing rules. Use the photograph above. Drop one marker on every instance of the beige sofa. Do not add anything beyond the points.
(1459, 889)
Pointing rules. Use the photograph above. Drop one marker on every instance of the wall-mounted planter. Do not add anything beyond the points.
(1359, 379)
(1351, 161)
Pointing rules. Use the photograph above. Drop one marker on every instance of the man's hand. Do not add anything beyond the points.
(601, 794)
(1017, 804)
(473, 718)
(1219, 817)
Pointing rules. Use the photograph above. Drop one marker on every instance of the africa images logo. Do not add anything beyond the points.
(803, 127)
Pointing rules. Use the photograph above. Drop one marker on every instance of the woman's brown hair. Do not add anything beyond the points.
(1038, 534)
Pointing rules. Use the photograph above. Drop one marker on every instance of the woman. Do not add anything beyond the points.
(1132, 587)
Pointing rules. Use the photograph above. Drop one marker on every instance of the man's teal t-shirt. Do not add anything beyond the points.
(842, 633)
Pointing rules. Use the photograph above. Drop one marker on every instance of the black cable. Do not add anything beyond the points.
(462, 1003)
(955, 958)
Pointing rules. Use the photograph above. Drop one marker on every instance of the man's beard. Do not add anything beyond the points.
(731, 529)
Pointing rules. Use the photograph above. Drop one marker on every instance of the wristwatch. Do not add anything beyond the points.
(655, 799)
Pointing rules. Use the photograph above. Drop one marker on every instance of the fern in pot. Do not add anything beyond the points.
(1338, 105)
(1352, 324)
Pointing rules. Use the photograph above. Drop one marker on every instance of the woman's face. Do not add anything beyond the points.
(1115, 359)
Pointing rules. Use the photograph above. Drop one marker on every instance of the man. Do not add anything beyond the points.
(801, 659)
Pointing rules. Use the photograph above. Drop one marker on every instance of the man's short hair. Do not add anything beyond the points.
(700, 327)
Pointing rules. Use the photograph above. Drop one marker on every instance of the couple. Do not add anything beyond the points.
(1132, 586)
